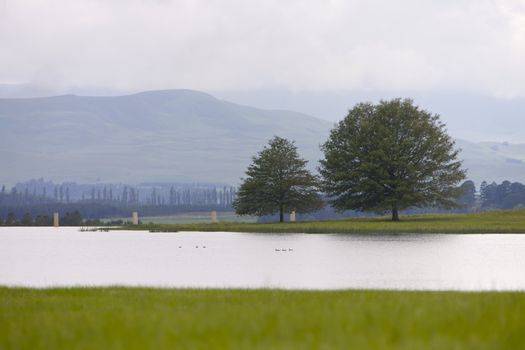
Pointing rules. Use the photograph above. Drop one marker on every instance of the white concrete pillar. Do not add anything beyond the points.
(292, 216)
(55, 219)
(135, 218)
(214, 216)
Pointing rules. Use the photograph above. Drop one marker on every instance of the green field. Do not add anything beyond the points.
(504, 221)
(121, 318)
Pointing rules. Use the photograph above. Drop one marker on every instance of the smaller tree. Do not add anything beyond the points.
(278, 182)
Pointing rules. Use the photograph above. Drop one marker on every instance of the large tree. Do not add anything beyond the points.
(278, 182)
(388, 157)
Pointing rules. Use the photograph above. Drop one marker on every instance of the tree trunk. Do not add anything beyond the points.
(281, 214)
(395, 213)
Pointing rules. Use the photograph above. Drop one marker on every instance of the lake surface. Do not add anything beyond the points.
(45, 257)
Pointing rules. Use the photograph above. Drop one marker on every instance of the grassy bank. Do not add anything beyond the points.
(505, 221)
(118, 318)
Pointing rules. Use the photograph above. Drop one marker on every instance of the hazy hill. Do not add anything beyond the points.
(174, 135)
(493, 161)
(474, 117)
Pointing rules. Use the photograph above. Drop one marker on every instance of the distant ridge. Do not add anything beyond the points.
(173, 135)
(168, 135)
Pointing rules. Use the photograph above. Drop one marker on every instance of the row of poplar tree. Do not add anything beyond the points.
(126, 195)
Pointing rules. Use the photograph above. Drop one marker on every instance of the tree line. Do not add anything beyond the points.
(73, 218)
(94, 210)
(489, 196)
(506, 195)
(154, 194)
(68, 219)
(106, 202)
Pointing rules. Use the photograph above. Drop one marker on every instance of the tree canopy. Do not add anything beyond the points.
(388, 157)
(278, 182)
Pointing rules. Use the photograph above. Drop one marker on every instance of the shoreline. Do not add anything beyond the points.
(494, 222)
(21, 288)
(490, 222)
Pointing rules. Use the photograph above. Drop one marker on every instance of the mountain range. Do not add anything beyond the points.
(174, 135)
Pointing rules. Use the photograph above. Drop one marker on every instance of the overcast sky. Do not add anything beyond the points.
(318, 57)
(476, 46)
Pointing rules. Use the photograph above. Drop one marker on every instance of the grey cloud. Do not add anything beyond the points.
(475, 46)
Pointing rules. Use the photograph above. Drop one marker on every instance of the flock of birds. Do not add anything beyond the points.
(276, 249)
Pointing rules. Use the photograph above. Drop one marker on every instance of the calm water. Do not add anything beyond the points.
(43, 257)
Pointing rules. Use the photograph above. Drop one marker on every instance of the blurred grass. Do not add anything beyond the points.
(502, 221)
(128, 318)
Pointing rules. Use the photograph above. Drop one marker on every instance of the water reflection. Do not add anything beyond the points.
(65, 257)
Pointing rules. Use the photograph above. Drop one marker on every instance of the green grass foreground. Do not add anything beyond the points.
(503, 221)
(127, 318)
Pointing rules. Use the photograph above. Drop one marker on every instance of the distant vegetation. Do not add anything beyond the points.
(132, 318)
(66, 219)
(150, 194)
(18, 206)
(506, 195)
(38, 199)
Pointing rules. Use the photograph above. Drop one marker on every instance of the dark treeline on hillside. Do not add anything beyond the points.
(506, 195)
(66, 219)
(93, 211)
(21, 204)
(39, 198)
(151, 194)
